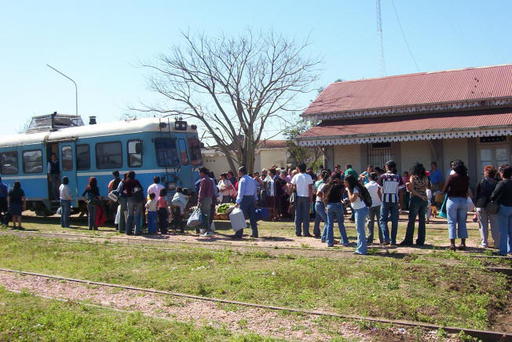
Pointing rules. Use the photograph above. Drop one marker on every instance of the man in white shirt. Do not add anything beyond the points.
(155, 188)
(374, 216)
(303, 188)
(65, 197)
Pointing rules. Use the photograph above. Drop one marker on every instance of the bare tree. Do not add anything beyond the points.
(233, 86)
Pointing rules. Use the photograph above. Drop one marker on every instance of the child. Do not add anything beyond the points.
(178, 205)
(163, 212)
(151, 213)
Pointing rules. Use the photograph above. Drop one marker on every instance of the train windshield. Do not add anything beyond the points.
(166, 152)
(194, 147)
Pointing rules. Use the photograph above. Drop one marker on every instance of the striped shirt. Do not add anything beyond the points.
(391, 184)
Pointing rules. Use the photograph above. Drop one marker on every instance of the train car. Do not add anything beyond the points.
(150, 147)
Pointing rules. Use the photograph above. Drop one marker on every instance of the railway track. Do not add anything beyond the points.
(484, 335)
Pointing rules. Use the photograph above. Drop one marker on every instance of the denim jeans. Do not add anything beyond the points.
(505, 220)
(387, 209)
(302, 205)
(152, 215)
(374, 216)
(487, 220)
(91, 216)
(360, 216)
(320, 216)
(65, 206)
(248, 207)
(417, 207)
(121, 225)
(206, 209)
(457, 211)
(134, 216)
(334, 212)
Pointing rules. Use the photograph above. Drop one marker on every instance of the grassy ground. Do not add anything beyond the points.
(28, 318)
(437, 231)
(415, 288)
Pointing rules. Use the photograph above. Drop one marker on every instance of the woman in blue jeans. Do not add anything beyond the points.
(457, 189)
(332, 194)
(503, 196)
(320, 214)
(361, 212)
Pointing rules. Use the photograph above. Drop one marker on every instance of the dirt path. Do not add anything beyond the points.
(236, 319)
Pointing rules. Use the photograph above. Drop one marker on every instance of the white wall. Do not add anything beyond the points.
(415, 151)
(348, 154)
(454, 149)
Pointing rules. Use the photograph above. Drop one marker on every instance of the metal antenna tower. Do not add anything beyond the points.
(381, 39)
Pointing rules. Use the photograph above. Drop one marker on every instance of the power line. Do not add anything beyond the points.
(403, 35)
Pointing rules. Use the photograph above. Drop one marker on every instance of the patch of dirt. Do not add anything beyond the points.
(235, 318)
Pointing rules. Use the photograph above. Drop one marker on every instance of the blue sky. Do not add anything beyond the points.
(102, 43)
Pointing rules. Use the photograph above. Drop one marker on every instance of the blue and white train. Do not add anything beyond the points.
(150, 147)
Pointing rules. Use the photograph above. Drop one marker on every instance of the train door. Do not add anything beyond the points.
(53, 171)
(68, 166)
(185, 172)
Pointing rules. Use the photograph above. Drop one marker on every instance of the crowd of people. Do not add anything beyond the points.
(374, 197)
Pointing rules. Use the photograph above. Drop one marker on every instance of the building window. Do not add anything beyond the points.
(9, 162)
(194, 147)
(109, 155)
(83, 157)
(33, 161)
(379, 154)
(135, 153)
(166, 154)
(67, 158)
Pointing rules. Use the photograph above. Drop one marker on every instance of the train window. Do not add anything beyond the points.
(67, 158)
(109, 155)
(135, 153)
(166, 153)
(83, 157)
(194, 147)
(9, 162)
(183, 152)
(33, 161)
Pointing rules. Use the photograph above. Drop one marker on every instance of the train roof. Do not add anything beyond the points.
(89, 131)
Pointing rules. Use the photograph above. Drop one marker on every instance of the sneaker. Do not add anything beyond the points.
(483, 245)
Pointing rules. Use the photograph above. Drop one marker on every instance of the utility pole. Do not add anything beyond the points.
(72, 80)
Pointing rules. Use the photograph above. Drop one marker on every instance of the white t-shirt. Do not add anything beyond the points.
(302, 181)
(155, 189)
(320, 187)
(358, 204)
(373, 189)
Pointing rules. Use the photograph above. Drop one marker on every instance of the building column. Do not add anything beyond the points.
(472, 161)
(396, 152)
(364, 157)
(436, 153)
(328, 157)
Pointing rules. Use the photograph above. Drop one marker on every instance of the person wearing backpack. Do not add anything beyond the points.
(332, 196)
(417, 186)
(360, 201)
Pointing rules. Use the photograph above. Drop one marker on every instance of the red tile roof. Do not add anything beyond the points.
(452, 86)
(402, 125)
(273, 144)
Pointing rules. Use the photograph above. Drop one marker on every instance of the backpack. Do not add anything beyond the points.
(365, 195)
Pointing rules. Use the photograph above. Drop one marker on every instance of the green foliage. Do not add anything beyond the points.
(300, 154)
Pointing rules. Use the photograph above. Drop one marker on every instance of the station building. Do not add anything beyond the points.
(434, 116)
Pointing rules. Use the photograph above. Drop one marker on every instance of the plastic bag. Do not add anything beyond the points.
(237, 219)
(118, 215)
(195, 219)
(471, 205)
